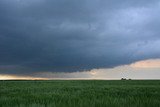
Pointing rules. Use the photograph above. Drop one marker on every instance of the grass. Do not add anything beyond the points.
(80, 93)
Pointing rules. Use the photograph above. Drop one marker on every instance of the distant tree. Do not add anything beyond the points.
(123, 78)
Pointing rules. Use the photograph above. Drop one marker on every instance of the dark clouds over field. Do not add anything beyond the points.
(76, 35)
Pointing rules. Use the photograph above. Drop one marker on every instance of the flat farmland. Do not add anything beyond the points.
(80, 93)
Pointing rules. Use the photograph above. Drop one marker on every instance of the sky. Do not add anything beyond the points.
(80, 39)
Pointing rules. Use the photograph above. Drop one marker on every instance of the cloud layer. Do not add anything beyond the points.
(76, 35)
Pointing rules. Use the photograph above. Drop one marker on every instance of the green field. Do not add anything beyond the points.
(80, 93)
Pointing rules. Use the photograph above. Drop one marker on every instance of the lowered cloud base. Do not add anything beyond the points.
(147, 69)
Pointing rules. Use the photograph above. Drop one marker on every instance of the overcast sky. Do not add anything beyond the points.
(77, 35)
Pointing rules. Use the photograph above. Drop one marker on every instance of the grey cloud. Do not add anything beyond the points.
(76, 35)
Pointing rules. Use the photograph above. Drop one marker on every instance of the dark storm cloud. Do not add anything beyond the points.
(76, 35)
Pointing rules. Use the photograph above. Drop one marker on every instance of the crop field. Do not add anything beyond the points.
(80, 93)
